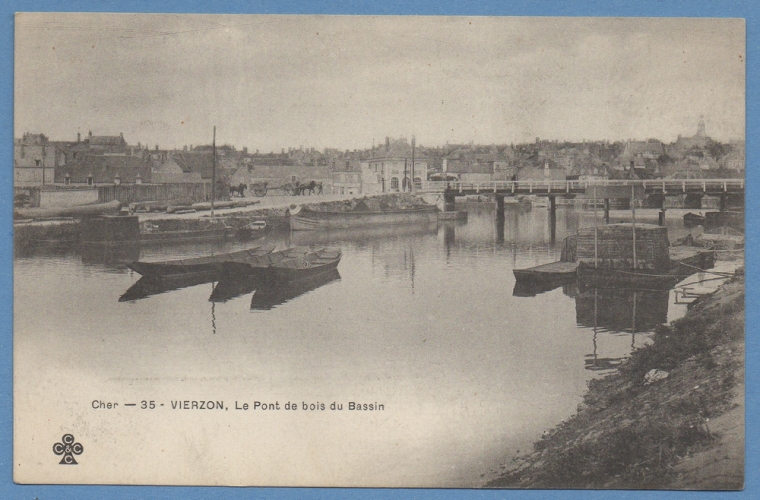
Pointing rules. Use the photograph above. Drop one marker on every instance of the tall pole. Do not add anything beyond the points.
(412, 176)
(596, 235)
(633, 213)
(213, 172)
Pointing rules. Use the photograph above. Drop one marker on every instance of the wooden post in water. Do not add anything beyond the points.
(213, 172)
(633, 212)
(606, 210)
(553, 218)
(499, 206)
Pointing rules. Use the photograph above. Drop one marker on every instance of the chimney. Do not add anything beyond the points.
(79, 137)
(156, 147)
(387, 143)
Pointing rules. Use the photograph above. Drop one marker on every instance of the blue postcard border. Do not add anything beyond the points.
(747, 9)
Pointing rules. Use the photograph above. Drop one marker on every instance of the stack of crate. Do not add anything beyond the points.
(615, 247)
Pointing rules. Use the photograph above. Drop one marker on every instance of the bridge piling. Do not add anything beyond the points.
(553, 217)
(449, 200)
(606, 210)
(499, 206)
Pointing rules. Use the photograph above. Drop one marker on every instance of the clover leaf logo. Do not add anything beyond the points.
(68, 448)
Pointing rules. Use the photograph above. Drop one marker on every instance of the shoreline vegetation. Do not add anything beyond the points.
(634, 430)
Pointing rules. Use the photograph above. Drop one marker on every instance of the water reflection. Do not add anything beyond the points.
(108, 255)
(361, 236)
(266, 298)
(533, 288)
(620, 310)
(148, 286)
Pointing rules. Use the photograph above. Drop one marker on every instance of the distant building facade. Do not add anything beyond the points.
(393, 164)
(34, 160)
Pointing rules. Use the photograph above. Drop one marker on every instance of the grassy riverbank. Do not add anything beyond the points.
(685, 431)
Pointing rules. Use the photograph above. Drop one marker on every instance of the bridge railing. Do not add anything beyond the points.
(567, 186)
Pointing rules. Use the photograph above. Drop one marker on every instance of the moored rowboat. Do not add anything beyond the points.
(205, 266)
(289, 264)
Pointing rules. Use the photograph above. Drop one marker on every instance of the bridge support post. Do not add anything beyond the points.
(553, 217)
(449, 200)
(661, 216)
(606, 210)
(499, 206)
(723, 199)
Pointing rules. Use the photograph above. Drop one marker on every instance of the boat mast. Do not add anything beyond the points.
(412, 169)
(213, 172)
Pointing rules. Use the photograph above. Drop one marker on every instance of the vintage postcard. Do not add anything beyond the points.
(379, 251)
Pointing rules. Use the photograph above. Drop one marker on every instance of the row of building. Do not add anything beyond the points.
(392, 166)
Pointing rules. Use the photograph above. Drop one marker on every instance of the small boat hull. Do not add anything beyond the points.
(310, 220)
(206, 266)
(293, 263)
(547, 273)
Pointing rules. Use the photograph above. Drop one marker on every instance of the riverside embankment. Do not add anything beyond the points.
(685, 431)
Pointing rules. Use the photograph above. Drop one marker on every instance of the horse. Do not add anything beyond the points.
(239, 189)
(313, 187)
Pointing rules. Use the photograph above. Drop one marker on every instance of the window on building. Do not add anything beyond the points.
(36, 163)
(394, 183)
(417, 183)
(292, 178)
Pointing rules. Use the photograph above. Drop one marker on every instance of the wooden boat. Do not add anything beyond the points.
(78, 211)
(314, 263)
(307, 219)
(552, 272)
(289, 264)
(205, 266)
(684, 261)
(154, 237)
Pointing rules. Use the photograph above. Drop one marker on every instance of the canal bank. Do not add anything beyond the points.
(672, 416)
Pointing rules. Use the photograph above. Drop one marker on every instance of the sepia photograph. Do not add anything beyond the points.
(354, 251)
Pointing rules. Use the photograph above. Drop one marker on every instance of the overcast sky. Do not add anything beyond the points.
(271, 82)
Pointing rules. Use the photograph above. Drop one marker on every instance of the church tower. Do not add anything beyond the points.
(701, 127)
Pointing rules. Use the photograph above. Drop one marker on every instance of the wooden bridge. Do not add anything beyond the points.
(713, 187)
(598, 189)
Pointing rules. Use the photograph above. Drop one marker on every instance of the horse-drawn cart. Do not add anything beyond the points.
(294, 188)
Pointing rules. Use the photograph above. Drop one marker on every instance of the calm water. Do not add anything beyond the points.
(425, 321)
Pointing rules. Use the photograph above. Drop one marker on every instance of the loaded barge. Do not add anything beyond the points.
(621, 255)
